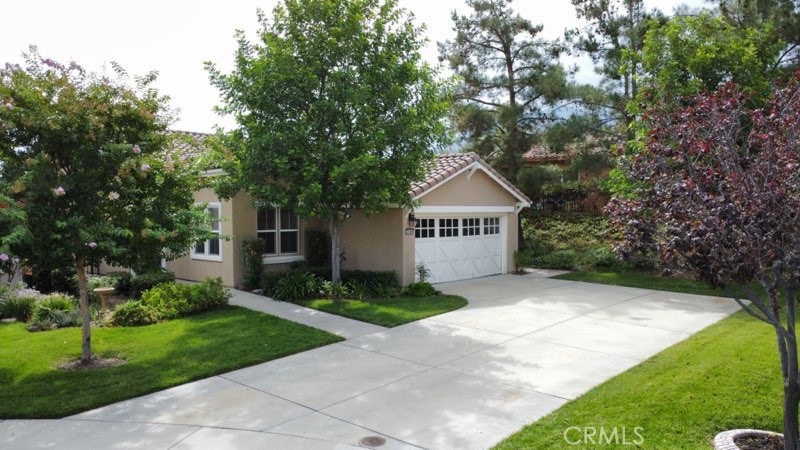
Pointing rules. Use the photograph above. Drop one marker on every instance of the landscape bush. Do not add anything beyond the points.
(252, 264)
(56, 309)
(338, 291)
(558, 260)
(420, 289)
(297, 285)
(172, 300)
(147, 281)
(133, 313)
(122, 282)
(18, 307)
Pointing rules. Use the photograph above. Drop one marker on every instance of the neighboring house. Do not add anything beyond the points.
(464, 227)
(540, 155)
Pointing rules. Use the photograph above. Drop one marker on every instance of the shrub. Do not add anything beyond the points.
(56, 309)
(297, 285)
(600, 260)
(172, 300)
(522, 259)
(420, 289)
(378, 284)
(209, 293)
(338, 291)
(358, 290)
(317, 248)
(147, 281)
(133, 313)
(252, 264)
(558, 260)
(423, 273)
(20, 308)
(122, 282)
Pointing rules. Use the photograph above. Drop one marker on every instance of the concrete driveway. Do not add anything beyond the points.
(463, 380)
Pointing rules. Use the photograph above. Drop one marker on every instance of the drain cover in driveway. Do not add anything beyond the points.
(372, 441)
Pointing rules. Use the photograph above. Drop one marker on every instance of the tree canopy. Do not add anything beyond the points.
(335, 108)
(85, 165)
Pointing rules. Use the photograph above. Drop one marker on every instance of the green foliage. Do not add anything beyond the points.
(601, 259)
(56, 309)
(532, 180)
(371, 277)
(296, 285)
(545, 233)
(420, 289)
(337, 291)
(252, 264)
(147, 281)
(122, 282)
(20, 308)
(558, 260)
(84, 155)
(692, 54)
(336, 109)
(318, 248)
(133, 313)
(172, 300)
(523, 259)
(509, 79)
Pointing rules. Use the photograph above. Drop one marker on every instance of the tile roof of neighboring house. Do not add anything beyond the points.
(540, 154)
(189, 143)
(447, 165)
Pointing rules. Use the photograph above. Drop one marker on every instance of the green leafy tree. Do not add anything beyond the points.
(510, 81)
(83, 157)
(781, 16)
(336, 110)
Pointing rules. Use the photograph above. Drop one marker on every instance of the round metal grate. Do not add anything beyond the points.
(372, 441)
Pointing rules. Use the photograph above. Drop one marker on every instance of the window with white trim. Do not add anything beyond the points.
(210, 248)
(426, 228)
(279, 228)
(471, 226)
(491, 225)
(448, 227)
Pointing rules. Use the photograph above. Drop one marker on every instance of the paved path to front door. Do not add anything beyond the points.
(463, 380)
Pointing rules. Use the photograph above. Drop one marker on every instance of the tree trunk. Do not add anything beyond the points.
(86, 342)
(791, 397)
(336, 261)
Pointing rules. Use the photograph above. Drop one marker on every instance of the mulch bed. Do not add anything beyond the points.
(92, 364)
(759, 442)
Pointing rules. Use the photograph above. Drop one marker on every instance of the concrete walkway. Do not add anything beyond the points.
(463, 380)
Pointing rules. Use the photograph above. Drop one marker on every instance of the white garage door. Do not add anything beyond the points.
(459, 247)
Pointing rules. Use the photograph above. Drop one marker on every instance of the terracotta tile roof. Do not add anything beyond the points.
(188, 143)
(541, 154)
(447, 165)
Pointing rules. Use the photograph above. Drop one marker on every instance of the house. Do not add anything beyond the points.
(465, 226)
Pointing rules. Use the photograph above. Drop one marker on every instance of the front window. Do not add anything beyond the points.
(210, 248)
(279, 228)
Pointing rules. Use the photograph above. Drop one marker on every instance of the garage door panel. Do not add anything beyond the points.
(471, 254)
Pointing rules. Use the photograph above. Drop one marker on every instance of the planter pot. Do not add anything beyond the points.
(726, 439)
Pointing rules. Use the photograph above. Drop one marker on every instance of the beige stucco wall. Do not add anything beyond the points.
(375, 242)
(477, 190)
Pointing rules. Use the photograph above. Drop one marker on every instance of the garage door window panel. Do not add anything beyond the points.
(448, 228)
(426, 229)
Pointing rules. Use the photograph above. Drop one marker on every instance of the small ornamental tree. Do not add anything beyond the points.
(336, 110)
(84, 157)
(719, 197)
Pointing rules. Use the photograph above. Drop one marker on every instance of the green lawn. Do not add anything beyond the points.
(639, 280)
(389, 312)
(159, 356)
(726, 376)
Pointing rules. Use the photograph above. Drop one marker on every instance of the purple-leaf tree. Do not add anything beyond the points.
(719, 197)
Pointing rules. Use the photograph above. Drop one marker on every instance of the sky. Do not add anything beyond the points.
(175, 37)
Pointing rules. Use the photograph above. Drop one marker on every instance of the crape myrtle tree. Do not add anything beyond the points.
(719, 197)
(84, 160)
(336, 110)
(510, 80)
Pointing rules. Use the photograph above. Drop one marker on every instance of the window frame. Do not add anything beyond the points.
(279, 257)
(206, 255)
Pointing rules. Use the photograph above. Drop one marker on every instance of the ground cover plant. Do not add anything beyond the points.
(157, 357)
